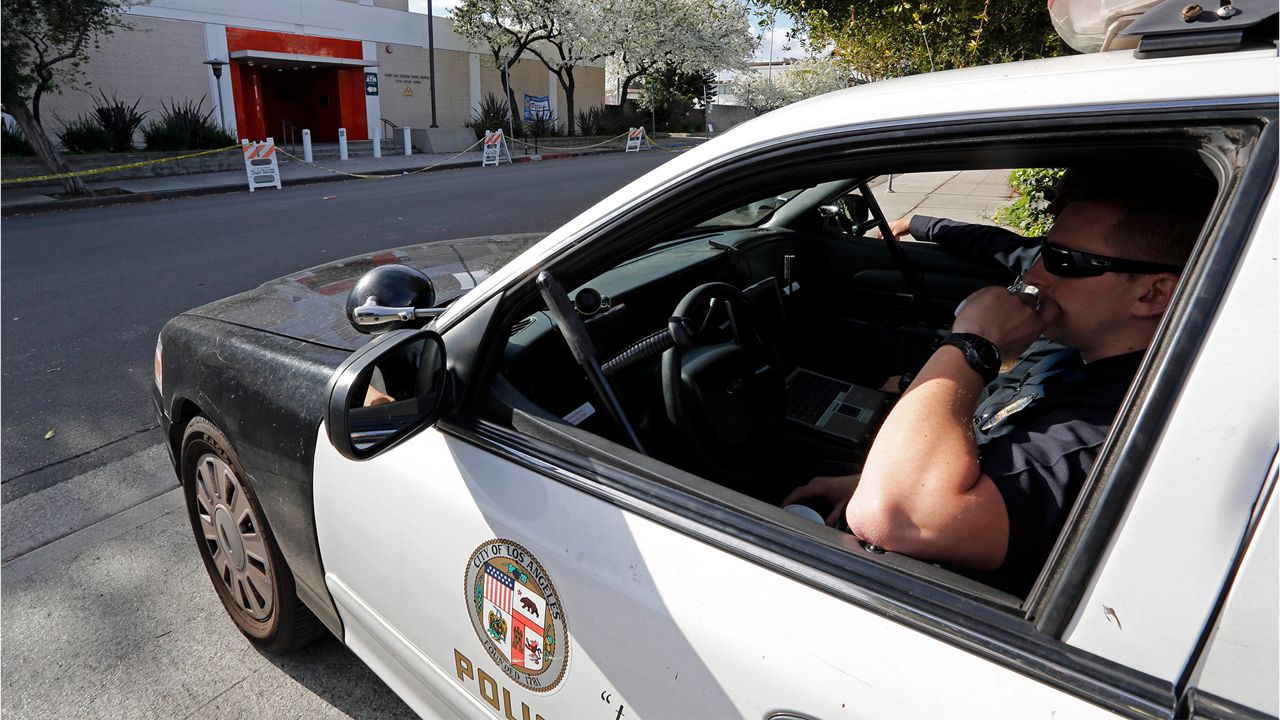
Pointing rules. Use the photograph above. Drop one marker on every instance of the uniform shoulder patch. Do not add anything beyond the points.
(516, 613)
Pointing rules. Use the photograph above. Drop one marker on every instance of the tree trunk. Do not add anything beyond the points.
(567, 84)
(626, 85)
(45, 150)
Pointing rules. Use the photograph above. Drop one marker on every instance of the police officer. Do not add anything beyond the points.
(987, 487)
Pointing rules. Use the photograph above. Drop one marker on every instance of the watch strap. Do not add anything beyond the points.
(980, 353)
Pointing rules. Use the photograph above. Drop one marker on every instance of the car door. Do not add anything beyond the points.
(483, 571)
(647, 621)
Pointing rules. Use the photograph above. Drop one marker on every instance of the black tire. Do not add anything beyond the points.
(254, 583)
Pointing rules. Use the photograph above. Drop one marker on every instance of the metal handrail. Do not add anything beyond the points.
(389, 130)
(289, 135)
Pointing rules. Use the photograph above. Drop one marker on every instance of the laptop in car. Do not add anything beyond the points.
(819, 402)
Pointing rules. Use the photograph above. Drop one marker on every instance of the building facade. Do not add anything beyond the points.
(322, 65)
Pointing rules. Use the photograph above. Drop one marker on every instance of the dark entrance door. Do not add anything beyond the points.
(321, 99)
(304, 97)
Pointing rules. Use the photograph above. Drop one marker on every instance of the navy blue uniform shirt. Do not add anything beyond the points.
(1039, 436)
(1039, 427)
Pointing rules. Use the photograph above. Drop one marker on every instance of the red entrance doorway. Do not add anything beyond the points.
(310, 83)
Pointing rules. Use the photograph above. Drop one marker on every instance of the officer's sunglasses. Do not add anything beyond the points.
(1065, 262)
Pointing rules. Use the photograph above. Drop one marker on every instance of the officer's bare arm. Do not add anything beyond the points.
(922, 492)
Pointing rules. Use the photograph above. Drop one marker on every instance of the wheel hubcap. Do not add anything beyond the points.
(229, 536)
(233, 535)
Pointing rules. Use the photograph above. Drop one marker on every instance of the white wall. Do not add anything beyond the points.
(326, 18)
(163, 58)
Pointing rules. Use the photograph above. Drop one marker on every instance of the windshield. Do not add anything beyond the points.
(751, 213)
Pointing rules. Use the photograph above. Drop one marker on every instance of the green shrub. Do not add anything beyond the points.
(13, 143)
(544, 125)
(85, 135)
(1028, 214)
(185, 126)
(119, 120)
(491, 115)
(618, 119)
(591, 121)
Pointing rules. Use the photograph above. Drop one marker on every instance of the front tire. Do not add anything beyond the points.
(237, 546)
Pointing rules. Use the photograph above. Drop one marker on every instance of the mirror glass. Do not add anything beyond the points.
(855, 207)
(399, 390)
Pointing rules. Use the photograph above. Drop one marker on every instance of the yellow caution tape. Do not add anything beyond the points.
(113, 168)
(363, 176)
(651, 143)
(541, 146)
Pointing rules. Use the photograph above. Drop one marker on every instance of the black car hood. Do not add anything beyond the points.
(310, 305)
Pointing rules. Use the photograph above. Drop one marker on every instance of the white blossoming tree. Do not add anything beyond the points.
(507, 27)
(682, 35)
(803, 79)
(580, 33)
(637, 36)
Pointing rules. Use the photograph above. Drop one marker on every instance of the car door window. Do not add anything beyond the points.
(820, 305)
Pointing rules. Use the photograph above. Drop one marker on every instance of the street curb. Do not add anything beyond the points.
(64, 550)
(157, 195)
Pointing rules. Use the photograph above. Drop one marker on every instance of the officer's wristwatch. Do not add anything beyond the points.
(979, 352)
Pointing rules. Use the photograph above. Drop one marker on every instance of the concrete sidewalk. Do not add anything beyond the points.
(963, 195)
(292, 172)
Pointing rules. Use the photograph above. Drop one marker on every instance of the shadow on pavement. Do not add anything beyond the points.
(361, 694)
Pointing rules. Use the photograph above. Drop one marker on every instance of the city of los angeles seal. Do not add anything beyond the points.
(517, 615)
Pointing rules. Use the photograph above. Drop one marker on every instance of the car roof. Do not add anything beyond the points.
(1099, 79)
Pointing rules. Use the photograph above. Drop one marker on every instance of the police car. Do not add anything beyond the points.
(552, 495)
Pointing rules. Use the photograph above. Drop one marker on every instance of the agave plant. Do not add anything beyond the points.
(543, 125)
(84, 135)
(185, 126)
(118, 120)
(493, 114)
(591, 121)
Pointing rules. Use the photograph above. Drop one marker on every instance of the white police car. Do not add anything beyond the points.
(547, 504)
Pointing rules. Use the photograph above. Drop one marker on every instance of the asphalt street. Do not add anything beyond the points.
(107, 611)
(85, 292)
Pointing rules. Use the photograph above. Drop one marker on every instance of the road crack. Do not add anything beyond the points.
(206, 703)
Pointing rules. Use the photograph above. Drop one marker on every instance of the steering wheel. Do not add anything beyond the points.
(723, 391)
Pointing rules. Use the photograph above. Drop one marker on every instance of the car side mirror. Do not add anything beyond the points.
(386, 390)
(857, 208)
(391, 297)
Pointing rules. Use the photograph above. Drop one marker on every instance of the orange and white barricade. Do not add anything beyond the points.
(495, 144)
(637, 140)
(261, 164)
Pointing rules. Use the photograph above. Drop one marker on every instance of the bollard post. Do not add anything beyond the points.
(377, 146)
(306, 145)
(342, 143)
(408, 142)
(890, 182)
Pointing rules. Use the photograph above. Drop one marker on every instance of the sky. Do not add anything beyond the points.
(782, 24)
(782, 47)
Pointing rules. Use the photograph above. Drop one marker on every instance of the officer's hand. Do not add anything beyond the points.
(825, 492)
(374, 396)
(1004, 319)
(900, 227)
